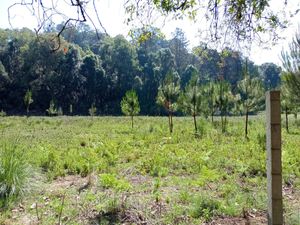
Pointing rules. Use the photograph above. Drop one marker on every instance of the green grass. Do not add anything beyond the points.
(183, 178)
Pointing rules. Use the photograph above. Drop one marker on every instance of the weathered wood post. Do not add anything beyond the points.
(274, 168)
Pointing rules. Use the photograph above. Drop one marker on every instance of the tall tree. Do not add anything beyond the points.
(178, 45)
(270, 74)
(94, 80)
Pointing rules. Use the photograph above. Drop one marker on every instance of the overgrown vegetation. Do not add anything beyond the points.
(142, 175)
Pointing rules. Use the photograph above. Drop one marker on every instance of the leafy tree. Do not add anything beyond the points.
(28, 100)
(231, 66)
(270, 73)
(178, 45)
(130, 105)
(207, 62)
(168, 93)
(191, 99)
(94, 80)
(251, 94)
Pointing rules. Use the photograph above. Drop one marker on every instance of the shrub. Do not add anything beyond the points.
(205, 207)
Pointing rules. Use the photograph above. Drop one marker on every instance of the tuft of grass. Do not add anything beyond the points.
(14, 174)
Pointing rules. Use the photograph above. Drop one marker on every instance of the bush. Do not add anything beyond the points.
(14, 174)
(205, 207)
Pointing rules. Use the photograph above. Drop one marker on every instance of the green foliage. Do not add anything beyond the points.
(130, 104)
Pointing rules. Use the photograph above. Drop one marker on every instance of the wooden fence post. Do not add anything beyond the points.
(274, 167)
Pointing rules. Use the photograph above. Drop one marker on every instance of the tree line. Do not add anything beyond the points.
(91, 70)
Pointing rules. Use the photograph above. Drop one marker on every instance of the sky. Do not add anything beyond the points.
(112, 16)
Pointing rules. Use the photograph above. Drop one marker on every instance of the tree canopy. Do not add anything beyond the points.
(86, 70)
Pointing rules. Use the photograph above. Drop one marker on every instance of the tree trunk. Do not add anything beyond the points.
(286, 120)
(171, 127)
(212, 116)
(169, 117)
(27, 111)
(246, 124)
(195, 123)
(131, 122)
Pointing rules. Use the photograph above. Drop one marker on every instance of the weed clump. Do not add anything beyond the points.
(111, 181)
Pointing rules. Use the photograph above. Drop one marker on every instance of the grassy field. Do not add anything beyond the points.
(79, 170)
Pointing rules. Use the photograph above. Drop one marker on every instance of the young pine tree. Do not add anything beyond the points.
(288, 101)
(191, 99)
(130, 105)
(224, 100)
(52, 110)
(92, 110)
(251, 93)
(210, 99)
(168, 93)
(28, 100)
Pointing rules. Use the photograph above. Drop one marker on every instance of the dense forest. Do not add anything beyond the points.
(84, 69)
